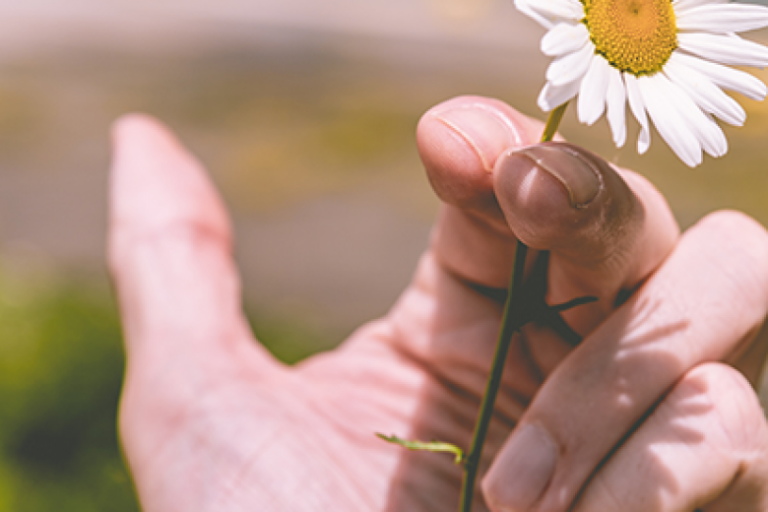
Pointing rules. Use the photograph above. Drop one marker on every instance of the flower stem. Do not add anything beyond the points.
(508, 327)
(510, 323)
(553, 122)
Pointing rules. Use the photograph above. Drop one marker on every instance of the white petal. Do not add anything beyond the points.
(593, 90)
(726, 49)
(706, 131)
(706, 94)
(672, 127)
(723, 18)
(712, 137)
(552, 96)
(558, 10)
(524, 6)
(571, 67)
(616, 99)
(728, 78)
(564, 38)
(681, 6)
(637, 106)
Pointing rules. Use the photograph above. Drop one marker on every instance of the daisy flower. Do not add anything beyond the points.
(669, 59)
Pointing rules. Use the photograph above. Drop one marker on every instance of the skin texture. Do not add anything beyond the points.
(653, 411)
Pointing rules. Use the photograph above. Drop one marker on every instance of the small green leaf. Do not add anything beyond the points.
(434, 446)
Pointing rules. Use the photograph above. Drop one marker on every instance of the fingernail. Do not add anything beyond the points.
(575, 172)
(522, 470)
(487, 130)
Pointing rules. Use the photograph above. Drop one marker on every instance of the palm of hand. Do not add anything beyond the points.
(259, 435)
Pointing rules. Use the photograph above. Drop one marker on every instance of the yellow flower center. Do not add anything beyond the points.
(636, 36)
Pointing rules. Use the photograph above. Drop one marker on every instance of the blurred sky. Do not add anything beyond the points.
(185, 22)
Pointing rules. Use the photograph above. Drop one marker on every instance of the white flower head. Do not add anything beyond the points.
(667, 58)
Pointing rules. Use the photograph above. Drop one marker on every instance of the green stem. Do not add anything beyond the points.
(553, 122)
(508, 327)
(509, 324)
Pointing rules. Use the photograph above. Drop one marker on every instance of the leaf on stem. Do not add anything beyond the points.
(433, 446)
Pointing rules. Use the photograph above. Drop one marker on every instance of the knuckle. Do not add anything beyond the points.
(737, 424)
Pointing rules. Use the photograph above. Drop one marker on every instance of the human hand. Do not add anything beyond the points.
(640, 416)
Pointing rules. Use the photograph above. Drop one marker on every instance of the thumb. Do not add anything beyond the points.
(607, 229)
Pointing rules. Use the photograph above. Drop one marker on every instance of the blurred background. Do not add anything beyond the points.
(304, 112)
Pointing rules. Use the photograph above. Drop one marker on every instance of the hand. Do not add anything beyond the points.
(642, 416)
